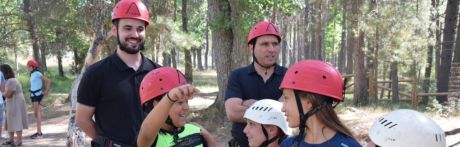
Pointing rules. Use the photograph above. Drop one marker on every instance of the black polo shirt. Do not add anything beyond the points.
(246, 84)
(113, 89)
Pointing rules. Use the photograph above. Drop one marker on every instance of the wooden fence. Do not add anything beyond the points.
(413, 95)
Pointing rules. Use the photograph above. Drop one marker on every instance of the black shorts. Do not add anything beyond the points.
(37, 98)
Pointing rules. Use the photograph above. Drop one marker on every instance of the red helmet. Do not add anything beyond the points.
(160, 81)
(131, 9)
(316, 77)
(32, 63)
(263, 28)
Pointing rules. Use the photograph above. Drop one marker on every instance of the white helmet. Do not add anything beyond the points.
(268, 112)
(405, 127)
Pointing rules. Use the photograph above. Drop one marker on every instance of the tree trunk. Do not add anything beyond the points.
(429, 58)
(384, 71)
(299, 41)
(371, 60)
(295, 42)
(447, 47)
(291, 51)
(31, 28)
(343, 44)
(284, 26)
(206, 51)
(58, 47)
(166, 59)
(323, 19)
(222, 41)
(188, 66)
(307, 31)
(59, 59)
(454, 79)
(350, 35)
(198, 55)
(241, 55)
(456, 58)
(43, 53)
(394, 82)
(174, 57)
(188, 55)
(213, 57)
(193, 51)
(360, 93)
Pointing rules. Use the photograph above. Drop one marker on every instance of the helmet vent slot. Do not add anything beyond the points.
(438, 137)
(383, 122)
(392, 126)
(265, 109)
(388, 123)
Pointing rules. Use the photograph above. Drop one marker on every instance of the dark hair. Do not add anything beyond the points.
(7, 71)
(148, 106)
(326, 115)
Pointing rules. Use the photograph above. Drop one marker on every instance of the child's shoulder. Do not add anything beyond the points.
(192, 125)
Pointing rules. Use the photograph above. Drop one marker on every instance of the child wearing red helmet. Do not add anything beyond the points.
(164, 96)
(39, 87)
(314, 87)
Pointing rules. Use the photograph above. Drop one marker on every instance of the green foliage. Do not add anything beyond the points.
(436, 107)
(172, 35)
(264, 8)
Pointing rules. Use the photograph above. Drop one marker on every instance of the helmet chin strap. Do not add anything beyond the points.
(170, 122)
(267, 141)
(303, 117)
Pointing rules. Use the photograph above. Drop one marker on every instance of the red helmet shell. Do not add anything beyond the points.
(131, 9)
(316, 77)
(160, 81)
(263, 28)
(33, 63)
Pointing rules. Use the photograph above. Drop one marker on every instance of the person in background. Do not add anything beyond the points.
(16, 114)
(2, 103)
(39, 87)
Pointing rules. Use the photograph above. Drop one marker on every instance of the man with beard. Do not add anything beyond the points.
(109, 89)
(259, 80)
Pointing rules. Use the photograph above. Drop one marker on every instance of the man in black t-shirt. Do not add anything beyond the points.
(109, 89)
(259, 80)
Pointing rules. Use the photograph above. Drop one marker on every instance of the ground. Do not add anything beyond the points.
(55, 121)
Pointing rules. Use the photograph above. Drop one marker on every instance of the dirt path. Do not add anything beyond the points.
(54, 127)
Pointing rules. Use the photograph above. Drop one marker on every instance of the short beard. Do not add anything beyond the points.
(130, 50)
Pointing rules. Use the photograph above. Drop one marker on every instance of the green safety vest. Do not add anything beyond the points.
(188, 136)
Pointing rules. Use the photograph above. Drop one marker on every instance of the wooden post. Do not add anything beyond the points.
(414, 91)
